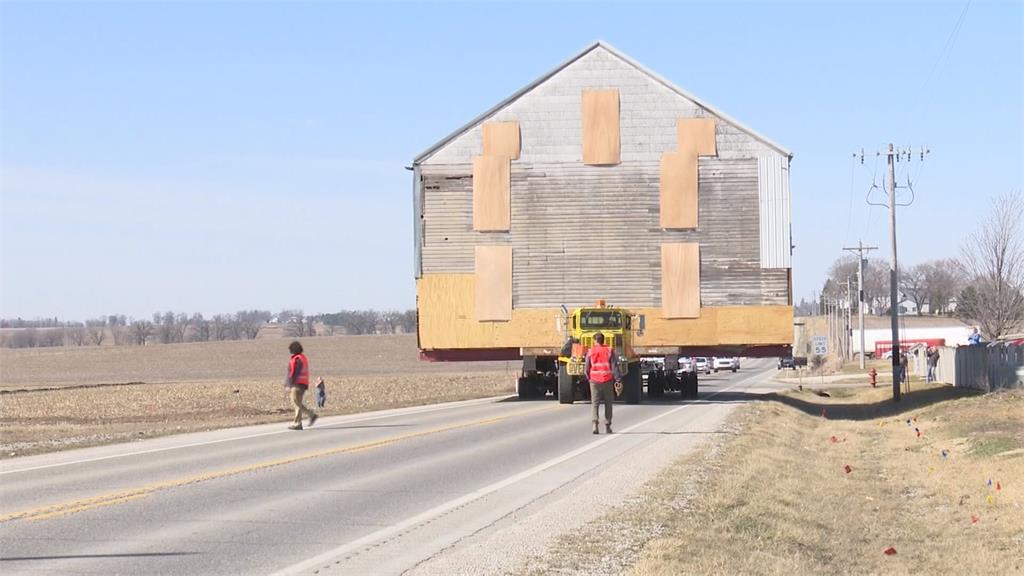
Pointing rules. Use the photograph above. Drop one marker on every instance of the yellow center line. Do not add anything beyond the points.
(82, 504)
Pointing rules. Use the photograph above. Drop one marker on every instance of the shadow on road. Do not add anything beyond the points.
(811, 404)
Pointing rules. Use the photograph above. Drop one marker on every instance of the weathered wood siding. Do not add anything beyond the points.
(580, 233)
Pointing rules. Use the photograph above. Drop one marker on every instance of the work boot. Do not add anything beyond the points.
(595, 428)
(312, 418)
(608, 428)
(296, 426)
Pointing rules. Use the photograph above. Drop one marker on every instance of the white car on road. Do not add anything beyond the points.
(723, 364)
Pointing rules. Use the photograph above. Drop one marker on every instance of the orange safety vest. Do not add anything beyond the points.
(302, 379)
(600, 364)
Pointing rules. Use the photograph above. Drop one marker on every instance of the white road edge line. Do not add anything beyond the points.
(346, 419)
(322, 559)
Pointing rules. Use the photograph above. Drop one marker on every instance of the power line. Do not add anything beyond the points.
(925, 96)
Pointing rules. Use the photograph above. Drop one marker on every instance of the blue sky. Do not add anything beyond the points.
(210, 157)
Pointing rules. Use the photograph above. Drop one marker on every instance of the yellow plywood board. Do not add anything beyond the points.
(501, 139)
(678, 190)
(600, 112)
(680, 280)
(493, 283)
(492, 193)
(696, 135)
(447, 321)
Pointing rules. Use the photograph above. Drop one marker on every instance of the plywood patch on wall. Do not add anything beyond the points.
(680, 280)
(502, 139)
(600, 113)
(492, 193)
(696, 135)
(678, 190)
(493, 283)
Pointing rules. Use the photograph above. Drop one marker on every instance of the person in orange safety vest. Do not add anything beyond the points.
(601, 370)
(297, 383)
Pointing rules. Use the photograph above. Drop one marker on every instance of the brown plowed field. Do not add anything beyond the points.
(58, 398)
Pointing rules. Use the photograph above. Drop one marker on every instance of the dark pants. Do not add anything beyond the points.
(602, 393)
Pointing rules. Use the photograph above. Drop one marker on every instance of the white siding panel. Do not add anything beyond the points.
(774, 202)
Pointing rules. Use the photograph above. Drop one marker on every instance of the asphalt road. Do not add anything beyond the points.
(382, 493)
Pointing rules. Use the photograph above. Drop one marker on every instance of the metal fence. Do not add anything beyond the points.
(985, 368)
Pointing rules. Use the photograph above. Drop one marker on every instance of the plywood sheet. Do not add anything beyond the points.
(493, 283)
(600, 113)
(696, 135)
(678, 187)
(445, 303)
(492, 193)
(502, 139)
(680, 280)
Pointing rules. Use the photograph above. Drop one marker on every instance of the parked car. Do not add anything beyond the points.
(685, 365)
(701, 365)
(723, 364)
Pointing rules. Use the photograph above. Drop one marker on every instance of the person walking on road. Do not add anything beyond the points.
(933, 361)
(601, 372)
(297, 383)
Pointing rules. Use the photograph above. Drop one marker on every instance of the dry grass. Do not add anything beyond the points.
(771, 496)
(55, 399)
(780, 500)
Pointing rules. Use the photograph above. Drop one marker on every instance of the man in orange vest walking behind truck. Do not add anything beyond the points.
(601, 373)
(297, 383)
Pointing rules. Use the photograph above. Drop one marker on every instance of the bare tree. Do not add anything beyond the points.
(220, 327)
(51, 337)
(409, 321)
(95, 331)
(180, 327)
(390, 321)
(943, 281)
(249, 322)
(75, 336)
(142, 330)
(913, 284)
(200, 328)
(876, 285)
(992, 259)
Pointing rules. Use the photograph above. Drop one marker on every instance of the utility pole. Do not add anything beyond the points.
(848, 346)
(893, 156)
(860, 249)
(894, 309)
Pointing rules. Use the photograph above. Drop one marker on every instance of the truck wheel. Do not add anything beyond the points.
(633, 385)
(565, 386)
(524, 387)
(690, 386)
(655, 387)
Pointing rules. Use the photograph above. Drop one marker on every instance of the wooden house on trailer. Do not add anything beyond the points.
(603, 180)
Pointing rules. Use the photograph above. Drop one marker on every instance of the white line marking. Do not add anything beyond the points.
(343, 420)
(331, 555)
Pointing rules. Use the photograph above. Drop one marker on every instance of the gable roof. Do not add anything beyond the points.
(599, 44)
